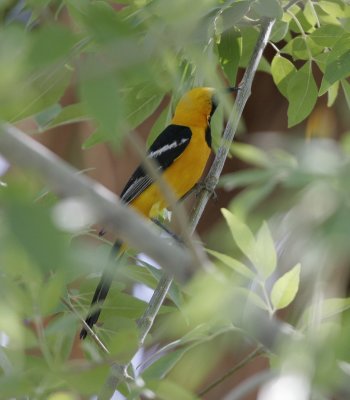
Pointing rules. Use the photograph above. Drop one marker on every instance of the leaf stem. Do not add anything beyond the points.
(255, 353)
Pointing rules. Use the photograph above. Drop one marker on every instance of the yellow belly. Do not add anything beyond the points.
(181, 176)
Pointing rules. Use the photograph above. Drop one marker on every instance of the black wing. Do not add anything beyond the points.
(168, 146)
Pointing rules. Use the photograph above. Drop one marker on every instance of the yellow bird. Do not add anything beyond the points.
(181, 152)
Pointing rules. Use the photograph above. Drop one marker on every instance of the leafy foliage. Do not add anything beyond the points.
(121, 59)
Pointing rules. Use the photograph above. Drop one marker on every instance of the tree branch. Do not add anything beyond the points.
(211, 180)
(65, 180)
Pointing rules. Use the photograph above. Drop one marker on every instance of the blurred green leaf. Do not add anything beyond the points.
(250, 154)
(141, 101)
(240, 233)
(328, 308)
(244, 178)
(302, 95)
(160, 368)
(46, 116)
(245, 201)
(68, 115)
(166, 389)
(100, 92)
(235, 265)
(230, 48)
(285, 288)
(34, 230)
(265, 256)
(268, 8)
(43, 53)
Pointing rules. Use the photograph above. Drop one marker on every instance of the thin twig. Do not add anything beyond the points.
(86, 326)
(250, 384)
(255, 353)
(231, 128)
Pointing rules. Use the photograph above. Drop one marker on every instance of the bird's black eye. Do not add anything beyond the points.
(214, 104)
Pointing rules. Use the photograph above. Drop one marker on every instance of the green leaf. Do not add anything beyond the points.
(285, 288)
(237, 266)
(141, 102)
(50, 44)
(244, 178)
(160, 368)
(98, 136)
(104, 23)
(230, 49)
(240, 233)
(268, 8)
(34, 230)
(169, 390)
(332, 94)
(233, 14)
(250, 197)
(279, 31)
(332, 8)
(70, 114)
(100, 92)
(282, 71)
(265, 257)
(45, 117)
(346, 89)
(252, 297)
(335, 71)
(250, 154)
(302, 95)
(327, 35)
(327, 308)
(297, 48)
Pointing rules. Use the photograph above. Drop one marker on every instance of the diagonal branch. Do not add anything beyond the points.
(65, 180)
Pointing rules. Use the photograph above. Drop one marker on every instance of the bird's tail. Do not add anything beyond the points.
(101, 291)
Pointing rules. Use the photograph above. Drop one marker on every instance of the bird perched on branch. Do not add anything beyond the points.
(181, 153)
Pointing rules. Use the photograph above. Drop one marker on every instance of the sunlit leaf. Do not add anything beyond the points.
(240, 233)
(282, 71)
(265, 256)
(285, 288)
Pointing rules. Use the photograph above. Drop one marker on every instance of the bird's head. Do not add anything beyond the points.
(197, 106)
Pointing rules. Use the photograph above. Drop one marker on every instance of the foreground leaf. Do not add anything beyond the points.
(285, 288)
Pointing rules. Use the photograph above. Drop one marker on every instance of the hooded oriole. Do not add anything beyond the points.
(181, 151)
